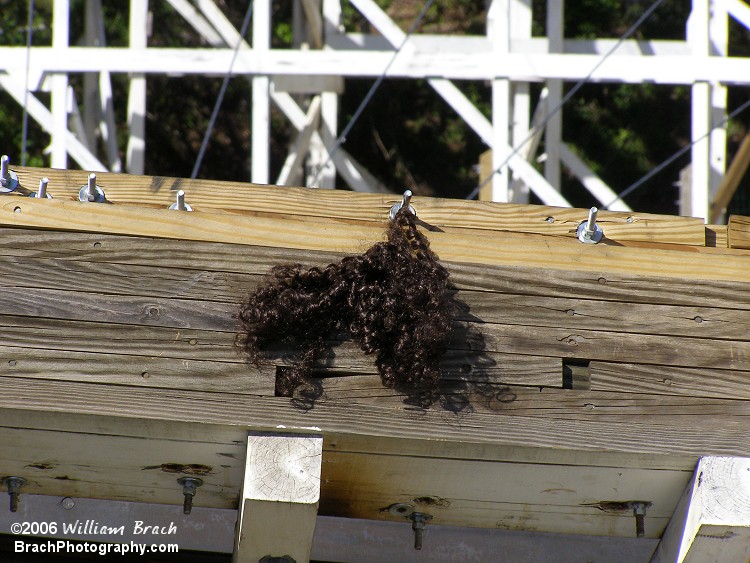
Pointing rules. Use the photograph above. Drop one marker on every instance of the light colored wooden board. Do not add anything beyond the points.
(280, 497)
(121, 468)
(211, 195)
(716, 236)
(341, 236)
(220, 262)
(672, 447)
(739, 232)
(490, 494)
(712, 520)
(670, 380)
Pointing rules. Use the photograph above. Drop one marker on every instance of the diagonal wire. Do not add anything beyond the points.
(366, 100)
(572, 92)
(222, 92)
(25, 118)
(654, 171)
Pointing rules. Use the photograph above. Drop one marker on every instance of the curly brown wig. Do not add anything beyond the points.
(392, 301)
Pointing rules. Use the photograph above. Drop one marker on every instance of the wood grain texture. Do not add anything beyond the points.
(677, 445)
(558, 403)
(739, 232)
(227, 269)
(211, 195)
(341, 236)
(669, 380)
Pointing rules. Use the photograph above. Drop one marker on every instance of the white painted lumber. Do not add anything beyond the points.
(296, 157)
(738, 9)
(44, 118)
(712, 520)
(197, 22)
(667, 69)
(135, 158)
(553, 129)
(280, 497)
(595, 185)
(59, 101)
(261, 118)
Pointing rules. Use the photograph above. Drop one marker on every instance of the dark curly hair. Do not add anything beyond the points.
(392, 300)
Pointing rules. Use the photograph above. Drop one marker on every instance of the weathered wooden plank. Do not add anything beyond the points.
(560, 403)
(739, 231)
(211, 195)
(225, 265)
(121, 309)
(669, 380)
(593, 314)
(161, 365)
(341, 236)
(102, 338)
(181, 297)
(675, 447)
(617, 346)
(142, 371)
(605, 285)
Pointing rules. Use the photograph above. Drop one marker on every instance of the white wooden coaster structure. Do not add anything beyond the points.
(304, 83)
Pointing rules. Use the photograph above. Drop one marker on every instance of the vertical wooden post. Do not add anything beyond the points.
(261, 122)
(712, 520)
(498, 29)
(718, 34)
(701, 113)
(280, 497)
(330, 100)
(59, 81)
(520, 19)
(136, 150)
(553, 130)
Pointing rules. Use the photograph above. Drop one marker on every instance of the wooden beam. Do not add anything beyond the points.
(738, 232)
(666, 69)
(343, 236)
(280, 497)
(712, 521)
(734, 175)
(207, 195)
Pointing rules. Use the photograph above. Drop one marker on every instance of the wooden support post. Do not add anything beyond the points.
(280, 497)
(712, 520)
(261, 119)
(136, 150)
(498, 31)
(60, 39)
(553, 130)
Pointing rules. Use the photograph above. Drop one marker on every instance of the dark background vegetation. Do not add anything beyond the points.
(408, 137)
